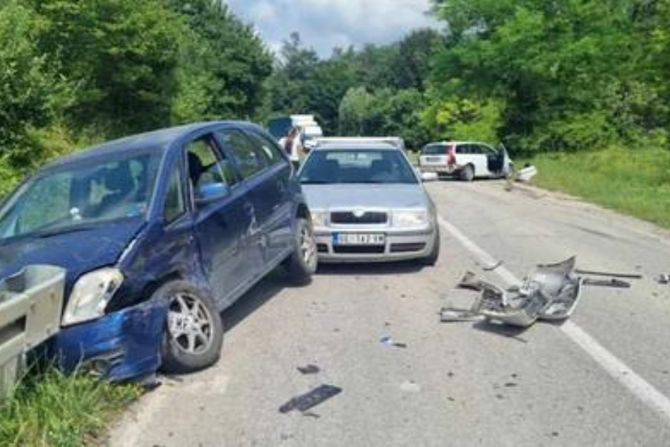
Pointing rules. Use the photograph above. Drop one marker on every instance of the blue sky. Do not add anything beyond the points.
(323, 24)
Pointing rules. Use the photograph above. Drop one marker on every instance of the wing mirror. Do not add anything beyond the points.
(211, 192)
(429, 176)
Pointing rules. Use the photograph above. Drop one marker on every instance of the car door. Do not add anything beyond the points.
(479, 160)
(274, 206)
(256, 182)
(224, 224)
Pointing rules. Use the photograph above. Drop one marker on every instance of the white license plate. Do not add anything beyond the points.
(359, 239)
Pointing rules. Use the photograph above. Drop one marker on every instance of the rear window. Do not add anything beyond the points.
(435, 149)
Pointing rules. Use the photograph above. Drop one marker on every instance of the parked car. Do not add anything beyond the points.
(368, 204)
(467, 160)
(158, 233)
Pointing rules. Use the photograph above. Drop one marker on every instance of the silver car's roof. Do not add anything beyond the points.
(355, 146)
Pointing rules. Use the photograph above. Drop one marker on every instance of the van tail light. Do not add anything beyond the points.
(451, 154)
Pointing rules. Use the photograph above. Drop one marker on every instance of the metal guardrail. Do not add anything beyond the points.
(31, 304)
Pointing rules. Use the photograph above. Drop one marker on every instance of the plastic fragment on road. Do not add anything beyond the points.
(614, 275)
(388, 341)
(663, 279)
(493, 267)
(550, 292)
(452, 314)
(308, 369)
(311, 399)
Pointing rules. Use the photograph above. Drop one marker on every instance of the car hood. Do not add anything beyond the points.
(325, 197)
(78, 252)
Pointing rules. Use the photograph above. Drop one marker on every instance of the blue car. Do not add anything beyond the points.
(159, 233)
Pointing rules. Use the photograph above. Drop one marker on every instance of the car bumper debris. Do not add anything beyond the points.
(122, 345)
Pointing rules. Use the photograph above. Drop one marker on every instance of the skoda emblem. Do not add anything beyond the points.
(359, 213)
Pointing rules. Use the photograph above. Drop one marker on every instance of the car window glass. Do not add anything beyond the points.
(206, 165)
(269, 149)
(463, 149)
(475, 149)
(174, 202)
(246, 154)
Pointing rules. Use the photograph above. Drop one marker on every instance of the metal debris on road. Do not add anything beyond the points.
(308, 369)
(452, 314)
(493, 267)
(616, 275)
(470, 282)
(612, 282)
(550, 292)
(311, 399)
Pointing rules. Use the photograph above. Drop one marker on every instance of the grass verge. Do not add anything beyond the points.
(632, 181)
(54, 409)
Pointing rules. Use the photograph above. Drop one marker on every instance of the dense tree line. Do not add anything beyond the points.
(73, 72)
(539, 75)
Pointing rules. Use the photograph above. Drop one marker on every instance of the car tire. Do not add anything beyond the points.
(193, 334)
(434, 255)
(467, 174)
(302, 264)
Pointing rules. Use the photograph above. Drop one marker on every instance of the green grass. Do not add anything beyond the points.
(53, 409)
(635, 181)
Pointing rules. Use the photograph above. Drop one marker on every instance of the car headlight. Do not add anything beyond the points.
(319, 218)
(410, 218)
(90, 295)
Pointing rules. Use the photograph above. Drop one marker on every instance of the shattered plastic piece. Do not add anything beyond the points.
(470, 282)
(388, 341)
(618, 275)
(309, 400)
(663, 279)
(308, 369)
(612, 282)
(526, 174)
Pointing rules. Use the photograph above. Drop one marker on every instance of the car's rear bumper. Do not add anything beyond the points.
(399, 246)
(440, 169)
(119, 346)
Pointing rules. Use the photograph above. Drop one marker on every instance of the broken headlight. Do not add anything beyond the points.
(410, 218)
(90, 295)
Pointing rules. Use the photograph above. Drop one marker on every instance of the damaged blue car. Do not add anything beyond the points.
(159, 233)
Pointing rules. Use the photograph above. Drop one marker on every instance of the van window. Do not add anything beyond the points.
(249, 159)
(174, 202)
(434, 149)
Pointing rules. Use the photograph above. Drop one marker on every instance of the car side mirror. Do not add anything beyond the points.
(211, 193)
(429, 177)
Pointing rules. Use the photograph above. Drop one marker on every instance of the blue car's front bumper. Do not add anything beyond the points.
(120, 346)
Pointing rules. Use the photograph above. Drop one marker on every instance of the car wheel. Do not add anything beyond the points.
(194, 332)
(301, 265)
(467, 174)
(434, 255)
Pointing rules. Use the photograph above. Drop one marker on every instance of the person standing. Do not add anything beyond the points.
(293, 146)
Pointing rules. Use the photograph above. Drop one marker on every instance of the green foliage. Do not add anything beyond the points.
(52, 409)
(463, 120)
(632, 180)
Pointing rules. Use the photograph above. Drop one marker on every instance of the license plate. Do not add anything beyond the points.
(358, 239)
(434, 159)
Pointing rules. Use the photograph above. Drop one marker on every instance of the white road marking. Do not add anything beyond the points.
(617, 369)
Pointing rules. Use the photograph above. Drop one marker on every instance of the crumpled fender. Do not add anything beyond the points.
(119, 346)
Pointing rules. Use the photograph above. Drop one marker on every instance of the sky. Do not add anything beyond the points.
(324, 24)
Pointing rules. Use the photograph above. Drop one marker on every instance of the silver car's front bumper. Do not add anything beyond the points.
(400, 245)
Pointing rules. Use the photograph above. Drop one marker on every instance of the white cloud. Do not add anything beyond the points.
(324, 24)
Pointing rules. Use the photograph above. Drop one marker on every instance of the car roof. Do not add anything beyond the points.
(457, 143)
(355, 146)
(157, 140)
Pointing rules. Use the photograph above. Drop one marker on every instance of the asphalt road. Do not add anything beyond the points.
(600, 379)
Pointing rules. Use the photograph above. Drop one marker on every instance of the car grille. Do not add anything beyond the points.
(348, 217)
(359, 249)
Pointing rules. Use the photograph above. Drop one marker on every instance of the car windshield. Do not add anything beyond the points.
(434, 149)
(357, 166)
(75, 196)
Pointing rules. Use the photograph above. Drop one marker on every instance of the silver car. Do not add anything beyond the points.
(368, 205)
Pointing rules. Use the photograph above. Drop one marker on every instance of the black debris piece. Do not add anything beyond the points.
(510, 384)
(612, 282)
(618, 275)
(309, 400)
(308, 369)
(663, 279)
(400, 345)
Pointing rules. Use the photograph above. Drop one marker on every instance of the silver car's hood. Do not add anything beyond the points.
(343, 196)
